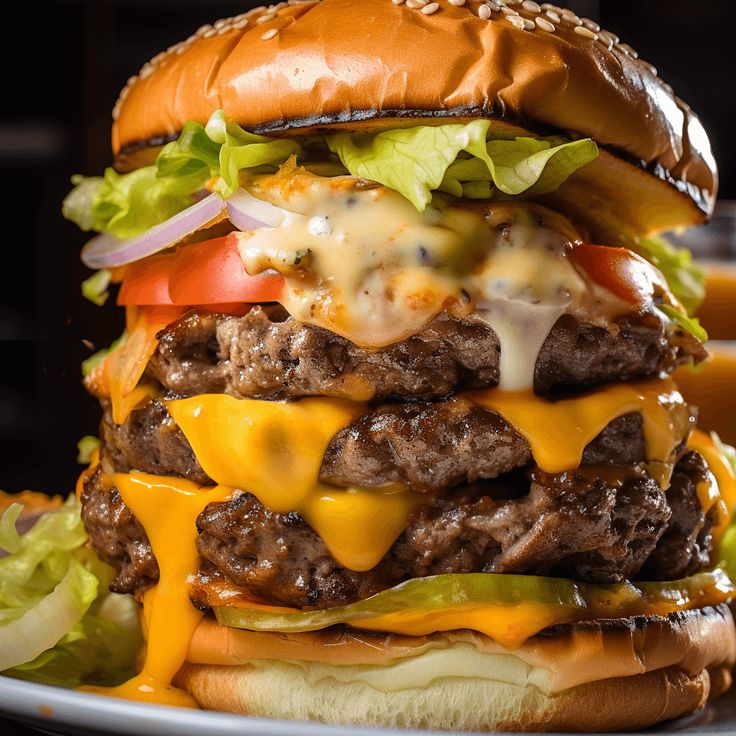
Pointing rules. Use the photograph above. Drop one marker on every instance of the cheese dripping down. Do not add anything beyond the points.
(274, 450)
(360, 261)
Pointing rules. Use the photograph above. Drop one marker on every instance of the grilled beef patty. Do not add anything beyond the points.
(591, 525)
(266, 354)
(428, 447)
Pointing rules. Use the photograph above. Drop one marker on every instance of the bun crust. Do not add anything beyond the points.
(607, 675)
(317, 64)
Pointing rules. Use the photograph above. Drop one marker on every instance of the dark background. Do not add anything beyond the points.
(63, 63)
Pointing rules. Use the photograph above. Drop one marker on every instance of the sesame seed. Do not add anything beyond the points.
(270, 33)
(611, 37)
(516, 20)
(628, 50)
(457, 3)
(146, 70)
(531, 7)
(553, 16)
(415, 4)
(545, 25)
(484, 12)
(265, 18)
(509, 11)
(238, 18)
(240, 24)
(222, 22)
(591, 25)
(552, 7)
(431, 8)
(570, 17)
(504, 2)
(210, 33)
(223, 29)
(397, 2)
(158, 58)
(181, 49)
(583, 31)
(202, 30)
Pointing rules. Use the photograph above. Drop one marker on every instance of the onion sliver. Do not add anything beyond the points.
(247, 212)
(107, 251)
(43, 625)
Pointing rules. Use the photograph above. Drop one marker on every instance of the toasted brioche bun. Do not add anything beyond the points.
(362, 65)
(598, 676)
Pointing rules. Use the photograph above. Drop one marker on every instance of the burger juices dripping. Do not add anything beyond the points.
(361, 261)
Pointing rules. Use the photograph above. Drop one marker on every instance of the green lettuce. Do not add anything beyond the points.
(459, 159)
(95, 288)
(685, 277)
(456, 158)
(689, 324)
(85, 447)
(127, 205)
(58, 623)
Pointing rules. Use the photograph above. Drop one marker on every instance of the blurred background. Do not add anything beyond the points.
(59, 85)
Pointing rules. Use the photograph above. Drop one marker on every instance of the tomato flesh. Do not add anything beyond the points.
(622, 272)
(208, 273)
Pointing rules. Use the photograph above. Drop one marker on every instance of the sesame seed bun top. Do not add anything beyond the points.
(313, 64)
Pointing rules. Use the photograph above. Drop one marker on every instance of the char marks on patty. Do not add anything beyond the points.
(266, 354)
(596, 528)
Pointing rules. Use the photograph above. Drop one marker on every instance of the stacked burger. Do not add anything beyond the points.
(390, 437)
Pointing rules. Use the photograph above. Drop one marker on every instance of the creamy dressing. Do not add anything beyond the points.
(361, 261)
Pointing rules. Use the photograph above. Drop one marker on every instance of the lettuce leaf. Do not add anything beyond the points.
(417, 161)
(85, 447)
(242, 150)
(95, 287)
(685, 277)
(58, 623)
(96, 359)
(454, 158)
(689, 324)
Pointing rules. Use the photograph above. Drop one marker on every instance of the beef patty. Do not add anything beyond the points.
(427, 447)
(590, 526)
(266, 354)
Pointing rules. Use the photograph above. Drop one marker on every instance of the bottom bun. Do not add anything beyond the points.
(462, 681)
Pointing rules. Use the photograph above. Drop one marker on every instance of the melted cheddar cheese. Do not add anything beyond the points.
(168, 509)
(558, 431)
(275, 450)
(720, 489)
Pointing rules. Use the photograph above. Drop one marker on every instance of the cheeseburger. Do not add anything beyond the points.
(390, 438)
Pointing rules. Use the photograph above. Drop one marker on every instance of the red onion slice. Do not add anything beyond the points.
(247, 212)
(107, 251)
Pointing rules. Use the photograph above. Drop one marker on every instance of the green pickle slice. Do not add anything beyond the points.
(443, 592)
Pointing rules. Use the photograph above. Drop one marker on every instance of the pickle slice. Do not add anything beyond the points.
(561, 600)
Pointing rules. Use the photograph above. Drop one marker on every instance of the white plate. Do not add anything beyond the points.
(69, 712)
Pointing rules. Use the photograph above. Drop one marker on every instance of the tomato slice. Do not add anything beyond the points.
(208, 273)
(622, 272)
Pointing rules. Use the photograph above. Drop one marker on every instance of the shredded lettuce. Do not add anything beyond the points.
(86, 446)
(685, 277)
(95, 287)
(689, 324)
(58, 623)
(459, 159)
(456, 158)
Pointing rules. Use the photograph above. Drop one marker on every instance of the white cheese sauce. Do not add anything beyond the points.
(361, 261)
